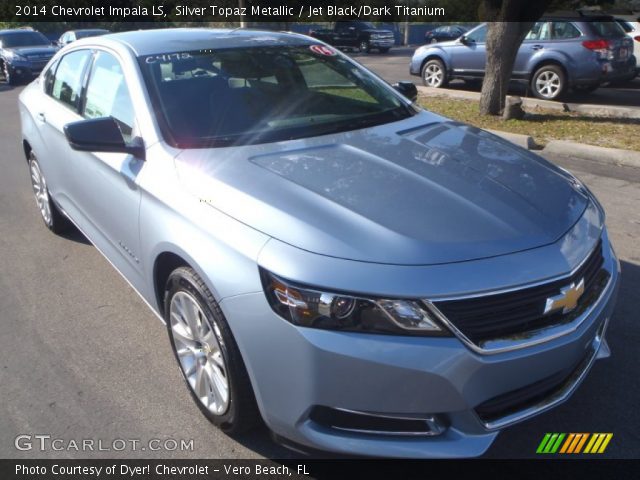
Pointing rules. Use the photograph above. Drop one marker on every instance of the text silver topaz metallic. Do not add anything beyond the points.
(368, 277)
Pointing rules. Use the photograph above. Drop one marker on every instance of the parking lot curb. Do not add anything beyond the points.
(583, 108)
(524, 141)
(628, 158)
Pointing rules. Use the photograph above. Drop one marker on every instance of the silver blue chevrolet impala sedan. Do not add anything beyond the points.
(367, 277)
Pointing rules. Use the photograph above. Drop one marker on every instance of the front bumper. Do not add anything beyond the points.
(295, 370)
(381, 43)
(26, 70)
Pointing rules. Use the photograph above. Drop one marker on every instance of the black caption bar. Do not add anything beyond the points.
(251, 10)
(313, 469)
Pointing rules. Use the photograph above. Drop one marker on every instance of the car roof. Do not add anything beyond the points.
(89, 30)
(150, 42)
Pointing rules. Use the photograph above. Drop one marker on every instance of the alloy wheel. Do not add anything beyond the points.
(197, 343)
(433, 75)
(548, 84)
(40, 191)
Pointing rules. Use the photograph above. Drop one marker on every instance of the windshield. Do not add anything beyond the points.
(23, 39)
(262, 94)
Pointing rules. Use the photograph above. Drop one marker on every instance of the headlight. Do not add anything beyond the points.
(313, 308)
(15, 56)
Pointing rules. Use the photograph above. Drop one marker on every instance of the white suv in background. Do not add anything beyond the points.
(632, 27)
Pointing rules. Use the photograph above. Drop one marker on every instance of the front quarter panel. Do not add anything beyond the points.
(222, 250)
(426, 52)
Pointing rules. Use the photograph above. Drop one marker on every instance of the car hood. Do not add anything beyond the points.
(36, 50)
(416, 192)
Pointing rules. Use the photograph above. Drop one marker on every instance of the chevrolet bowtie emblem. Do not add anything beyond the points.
(567, 300)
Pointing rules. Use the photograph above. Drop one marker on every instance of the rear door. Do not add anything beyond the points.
(61, 105)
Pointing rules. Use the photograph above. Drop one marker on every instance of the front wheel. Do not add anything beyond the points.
(434, 74)
(364, 46)
(548, 82)
(207, 354)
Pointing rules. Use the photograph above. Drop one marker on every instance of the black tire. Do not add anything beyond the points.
(549, 82)
(364, 46)
(430, 74)
(241, 413)
(49, 212)
(384, 50)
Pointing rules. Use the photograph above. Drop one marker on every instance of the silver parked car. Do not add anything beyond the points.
(366, 276)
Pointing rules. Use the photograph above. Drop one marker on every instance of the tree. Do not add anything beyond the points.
(509, 23)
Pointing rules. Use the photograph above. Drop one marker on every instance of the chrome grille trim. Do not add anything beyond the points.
(543, 335)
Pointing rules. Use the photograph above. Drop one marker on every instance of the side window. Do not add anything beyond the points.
(108, 95)
(564, 31)
(49, 77)
(67, 83)
(479, 35)
(540, 31)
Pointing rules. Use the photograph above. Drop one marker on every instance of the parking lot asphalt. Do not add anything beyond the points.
(394, 67)
(81, 356)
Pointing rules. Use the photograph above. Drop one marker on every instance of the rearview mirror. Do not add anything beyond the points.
(101, 135)
(408, 89)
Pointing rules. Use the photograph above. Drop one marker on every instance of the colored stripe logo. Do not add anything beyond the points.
(574, 443)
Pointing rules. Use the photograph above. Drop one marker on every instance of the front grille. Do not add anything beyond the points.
(519, 312)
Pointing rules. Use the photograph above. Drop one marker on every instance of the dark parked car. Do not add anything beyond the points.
(23, 54)
(558, 53)
(364, 36)
(445, 33)
(73, 35)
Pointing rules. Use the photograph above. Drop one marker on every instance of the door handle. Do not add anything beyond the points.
(537, 47)
(42, 117)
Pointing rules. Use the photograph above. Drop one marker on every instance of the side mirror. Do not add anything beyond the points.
(101, 135)
(408, 89)
(464, 40)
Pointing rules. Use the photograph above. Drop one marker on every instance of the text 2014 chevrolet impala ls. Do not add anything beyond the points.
(366, 276)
